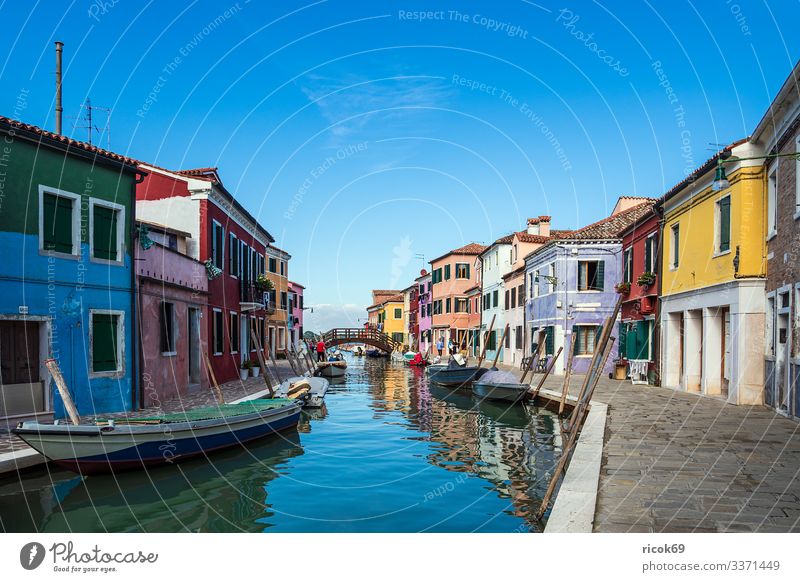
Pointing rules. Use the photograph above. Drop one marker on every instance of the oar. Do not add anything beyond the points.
(485, 338)
(499, 347)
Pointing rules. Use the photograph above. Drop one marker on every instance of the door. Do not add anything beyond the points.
(21, 389)
(272, 341)
(781, 362)
(726, 350)
(193, 345)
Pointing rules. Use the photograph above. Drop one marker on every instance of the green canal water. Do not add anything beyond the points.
(388, 453)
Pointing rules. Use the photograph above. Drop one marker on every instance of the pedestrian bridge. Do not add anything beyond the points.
(360, 335)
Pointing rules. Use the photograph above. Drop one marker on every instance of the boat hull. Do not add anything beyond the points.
(331, 371)
(504, 392)
(456, 377)
(101, 449)
(316, 395)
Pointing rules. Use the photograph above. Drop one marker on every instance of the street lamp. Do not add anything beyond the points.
(721, 180)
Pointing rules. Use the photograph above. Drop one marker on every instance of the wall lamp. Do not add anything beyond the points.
(721, 180)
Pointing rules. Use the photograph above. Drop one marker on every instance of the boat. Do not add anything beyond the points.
(417, 361)
(456, 375)
(335, 369)
(376, 353)
(117, 444)
(315, 386)
(497, 385)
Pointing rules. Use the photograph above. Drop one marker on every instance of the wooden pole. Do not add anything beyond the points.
(546, 373)
(485, 337)
(534, 357)
(311, 362)
(527, 369)
(55, 372)
(499, 347)
(262, 362)
(213, 378)
(567, 376)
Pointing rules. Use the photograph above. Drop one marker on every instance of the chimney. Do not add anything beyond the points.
(59, 108)
(533, 226)
(544, 225)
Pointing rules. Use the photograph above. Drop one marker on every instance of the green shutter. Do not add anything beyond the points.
(549, 342)
(105, 233)
(467, 270)
(648, 245)
(57, 223)
(104, 342)
(725, 224)
(600, 278)
(447, 272)
(622, 340)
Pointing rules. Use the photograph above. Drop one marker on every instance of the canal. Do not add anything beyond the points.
(388, 453)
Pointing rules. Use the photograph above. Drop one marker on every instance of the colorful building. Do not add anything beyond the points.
(277, 304)
(713, 280)
(638, 329)
(234, 247)
(296, 308)
(411, 314)
(571, 285)
(67, 286)
(172, 291)
(452, 274)
(425, 311)
(495, 262)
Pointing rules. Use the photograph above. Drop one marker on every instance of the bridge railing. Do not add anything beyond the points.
(357, 334)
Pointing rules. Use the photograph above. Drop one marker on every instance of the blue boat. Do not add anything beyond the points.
(457, 376)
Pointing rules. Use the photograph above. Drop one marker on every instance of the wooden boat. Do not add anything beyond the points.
(456, 376)
(335, 369)
(505, 391)
(129, 443)
(315, 386)
(376, 353)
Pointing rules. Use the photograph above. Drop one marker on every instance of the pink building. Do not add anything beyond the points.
(295, 322)
(172, 290)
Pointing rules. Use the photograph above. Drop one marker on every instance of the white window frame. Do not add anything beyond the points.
(76, 222)
(536, 283)
(654, 266)
(120, 371)
(627, 265)
(222, 331)
(120, 210)
(772, 202)
(718, 226)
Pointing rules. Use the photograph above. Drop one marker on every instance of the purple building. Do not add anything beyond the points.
(571, 285)
(424, 313)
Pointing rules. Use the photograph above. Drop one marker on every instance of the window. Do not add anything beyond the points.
(723, 224)
(217, 334)
(627, 265)
(651, 254)
(531, 284)
(233, 251)
(462, 305)
(217, 242)
(584, 337)
(495, 297)
(521, 295)
(446, 272)
(518, 338)
(437, 307)
(535, 283)
(447, 305)
(284, 300)
(167, 314)
(551, 280)
(273, 265)
(398, 313)
(398, 337)
(59, 222)
(244, 271)
(772, 203)
(283, 268)
(491, 341)
(436, 276)
(106, 350)
(107, 227)
(508, 341)
(513, 297)
(507, 301)
(462, 271)
(422, 289)
(591, 275)
(234, 333)
(281, 338)
(676, 249)
(549, 340)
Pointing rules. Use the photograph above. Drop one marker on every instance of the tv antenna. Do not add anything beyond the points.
(88, 119)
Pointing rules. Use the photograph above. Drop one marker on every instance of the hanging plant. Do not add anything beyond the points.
(646, 279)
(212, 271)
(623, 288)
(145, 241)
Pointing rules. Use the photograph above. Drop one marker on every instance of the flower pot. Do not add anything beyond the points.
(256, 371)
(243, 373)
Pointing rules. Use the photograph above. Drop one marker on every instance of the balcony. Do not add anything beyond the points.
(250, 297)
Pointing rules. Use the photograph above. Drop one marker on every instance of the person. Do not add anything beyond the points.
(451, 346)
(440, 345)
(320, 351)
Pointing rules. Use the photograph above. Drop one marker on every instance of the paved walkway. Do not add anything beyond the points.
(678, 462)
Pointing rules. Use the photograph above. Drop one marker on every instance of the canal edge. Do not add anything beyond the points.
(576, 501)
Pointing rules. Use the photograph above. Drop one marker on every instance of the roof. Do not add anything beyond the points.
(514, 273)
(293, 284)
(62, 141)
(471, 289)
(164, 228)
(524, 236)
(612, 226)
(468, 249)
(279, 251)
(773, 113)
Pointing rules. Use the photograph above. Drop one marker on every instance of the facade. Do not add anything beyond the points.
(452, 275)
(424, 312)
(638, 329)
(495, 263)
(392, 318)
(713, 281)
(277, 305)
(172, 291)
(411, 312)
(233, 246)
(475, 299)
(296, 307)
(778, 133)
(571, 285)
(67, 286)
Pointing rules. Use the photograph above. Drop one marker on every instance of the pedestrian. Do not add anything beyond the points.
(450, 346)
(440, 346)
(320, 351)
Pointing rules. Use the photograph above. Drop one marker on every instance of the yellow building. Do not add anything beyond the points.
(387, 313)
(713, 269)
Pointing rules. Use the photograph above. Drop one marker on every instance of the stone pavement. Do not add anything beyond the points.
(679, 462)
(231, 391)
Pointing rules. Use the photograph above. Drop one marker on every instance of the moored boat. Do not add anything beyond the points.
(128, 443)
(335, 369)
(505, 391)
(456, 376)
(317, 388)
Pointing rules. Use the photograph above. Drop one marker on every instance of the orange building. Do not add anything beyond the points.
(452, 277)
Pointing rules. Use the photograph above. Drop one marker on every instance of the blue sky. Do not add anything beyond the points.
(362, 134)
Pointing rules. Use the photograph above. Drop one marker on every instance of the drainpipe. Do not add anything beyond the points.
(137, 396)
(659, 210)
(59, 108)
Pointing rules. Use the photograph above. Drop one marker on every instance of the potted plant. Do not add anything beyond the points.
(646, 279)
(623, 288)
(244, 370)
(255, 370)
(263, 283)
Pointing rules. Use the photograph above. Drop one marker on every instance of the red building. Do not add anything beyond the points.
(231, 244)
(412, 292)
(638, 334)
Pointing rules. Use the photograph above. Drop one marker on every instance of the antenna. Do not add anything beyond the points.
(421, 257)
(87, 116)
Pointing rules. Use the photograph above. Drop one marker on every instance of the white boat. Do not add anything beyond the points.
(317, 388)
(335, 369)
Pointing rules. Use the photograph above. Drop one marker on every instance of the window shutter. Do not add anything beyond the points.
(105, 233)
(57, 223)
(725, 224)
(468, 276)
(647, 256)
(622, 340)
(600, 278)
(654, 247)
(447, 272)
(583, 268)
(549, 342)
(104, 342)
